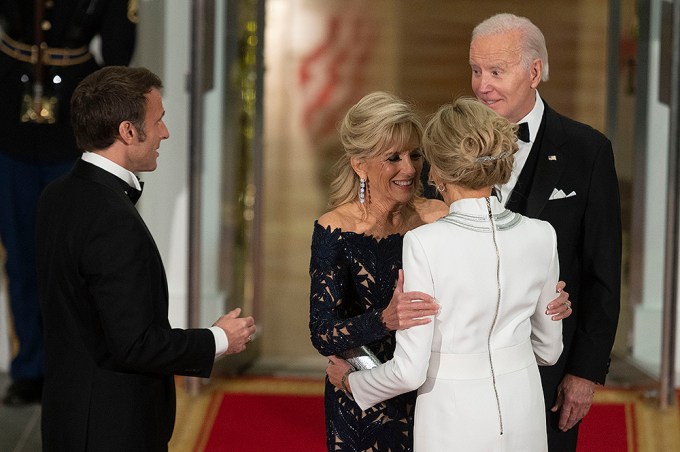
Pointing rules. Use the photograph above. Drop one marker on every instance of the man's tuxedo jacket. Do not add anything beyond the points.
(577, 160)
(110, 351)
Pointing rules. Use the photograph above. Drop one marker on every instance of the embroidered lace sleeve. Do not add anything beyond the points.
(343, 313)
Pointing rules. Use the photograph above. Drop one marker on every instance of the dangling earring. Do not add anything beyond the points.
(362, 190)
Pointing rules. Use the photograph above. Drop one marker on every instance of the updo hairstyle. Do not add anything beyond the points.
(470, 145)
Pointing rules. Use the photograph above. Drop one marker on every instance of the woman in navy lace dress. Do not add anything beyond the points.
(356, 259)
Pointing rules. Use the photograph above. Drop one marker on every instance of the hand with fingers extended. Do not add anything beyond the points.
(407, 309)
(574, 399)
(560, 307)
(239, 330)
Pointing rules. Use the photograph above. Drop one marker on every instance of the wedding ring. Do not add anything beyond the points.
(250, 338)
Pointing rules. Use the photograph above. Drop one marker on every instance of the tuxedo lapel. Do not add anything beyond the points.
(92, 172)
(518, 196)
(550, 165)
(520, 193)
(86, 170)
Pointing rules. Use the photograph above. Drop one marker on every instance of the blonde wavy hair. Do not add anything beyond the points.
(379, 120)
(470, 145)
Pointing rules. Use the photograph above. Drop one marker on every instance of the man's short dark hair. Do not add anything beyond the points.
(106, 98)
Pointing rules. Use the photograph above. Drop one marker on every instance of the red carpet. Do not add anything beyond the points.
(268, 415)
(608, 427)
(266, 422)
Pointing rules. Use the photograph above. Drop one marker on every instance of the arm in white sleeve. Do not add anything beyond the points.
(407, 370)
(546, 334)
(221, 340)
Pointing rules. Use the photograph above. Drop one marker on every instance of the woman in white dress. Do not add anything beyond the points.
(493, 273)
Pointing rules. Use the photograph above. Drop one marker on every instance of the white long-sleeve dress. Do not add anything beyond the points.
(475, 365)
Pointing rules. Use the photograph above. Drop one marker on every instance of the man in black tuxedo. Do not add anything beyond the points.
(563, 173)
(110, 351)
(39, 69)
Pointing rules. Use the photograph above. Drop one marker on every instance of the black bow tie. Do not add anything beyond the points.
(133, 193)
(523, 132)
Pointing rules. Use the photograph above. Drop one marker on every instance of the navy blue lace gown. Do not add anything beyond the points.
(353, 277)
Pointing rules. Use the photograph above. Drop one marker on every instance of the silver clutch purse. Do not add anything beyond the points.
(361, 358)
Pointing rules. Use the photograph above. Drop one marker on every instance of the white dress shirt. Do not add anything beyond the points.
(113, 168)
(533, 120)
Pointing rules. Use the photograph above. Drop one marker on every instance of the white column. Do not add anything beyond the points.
(5, 356)
(163, 47)
(647, 322)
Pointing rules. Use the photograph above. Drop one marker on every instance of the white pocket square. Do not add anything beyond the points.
(559, 194)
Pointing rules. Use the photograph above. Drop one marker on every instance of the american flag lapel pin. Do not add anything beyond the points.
(552, 157)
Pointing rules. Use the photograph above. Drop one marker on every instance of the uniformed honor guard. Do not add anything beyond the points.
(45, 51)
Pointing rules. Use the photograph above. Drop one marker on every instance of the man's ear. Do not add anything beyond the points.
(358, 165)
(127, 131)
(536, 72)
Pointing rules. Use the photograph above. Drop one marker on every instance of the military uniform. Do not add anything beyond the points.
(36, 150)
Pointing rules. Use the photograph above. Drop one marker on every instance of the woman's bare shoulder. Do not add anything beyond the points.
(431, 209)
(342, 217)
